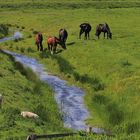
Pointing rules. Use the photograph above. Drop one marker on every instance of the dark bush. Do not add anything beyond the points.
(126, 63)
(22, 49)
(4, 29)
(29, 36)
(100, 99)
(22, 27)
(29, 49)
(97, 84)
(10, 115)
(37, 88)
(27, 72)
(116, 115)
(35, 32)
(133, 127)
(42, 112)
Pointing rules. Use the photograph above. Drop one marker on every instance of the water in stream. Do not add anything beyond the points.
(69, 98)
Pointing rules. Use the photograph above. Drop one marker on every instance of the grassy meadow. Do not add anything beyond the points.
(107, 70)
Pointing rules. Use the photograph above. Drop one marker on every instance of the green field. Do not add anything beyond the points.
(107, 70)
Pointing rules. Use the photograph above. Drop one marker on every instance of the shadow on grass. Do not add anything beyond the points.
(71, 43)
(46, 53)
(113, 111)
(68, 69)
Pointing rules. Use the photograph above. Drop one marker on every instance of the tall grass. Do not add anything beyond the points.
(107, 70)
(27, 93)
(70, 4)
(4, 30)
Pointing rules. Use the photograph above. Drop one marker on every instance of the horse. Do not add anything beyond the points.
(38, 41)
(85, 28)
(105, 29)
(52, 44)
(63, 34)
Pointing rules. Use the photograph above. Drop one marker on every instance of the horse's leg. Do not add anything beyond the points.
(107, 35)
(48, 47)
(37, 46)
(104, 35)
(41, 46)
(88, 35)
(81, 32)
(99, 35)
(85, 35)
(52, 49)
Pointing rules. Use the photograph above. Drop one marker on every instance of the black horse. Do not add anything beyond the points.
(105, 29)
(85, 28)
(63, 34)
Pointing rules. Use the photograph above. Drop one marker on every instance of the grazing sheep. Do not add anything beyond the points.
(1, 100)
(29, 114)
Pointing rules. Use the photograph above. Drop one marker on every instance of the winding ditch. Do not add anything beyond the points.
(69, 98)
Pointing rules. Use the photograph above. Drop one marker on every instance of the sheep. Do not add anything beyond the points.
(29, 114)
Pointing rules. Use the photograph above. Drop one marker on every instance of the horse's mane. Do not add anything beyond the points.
(107, 27)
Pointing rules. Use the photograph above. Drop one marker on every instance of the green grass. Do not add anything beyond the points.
(107, 70)
(22, 90)
(65, 4)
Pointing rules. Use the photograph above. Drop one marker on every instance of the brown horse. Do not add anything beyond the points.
(85, 28)
(63, 34)
(52, 44)
(38, 41)
(105, 29)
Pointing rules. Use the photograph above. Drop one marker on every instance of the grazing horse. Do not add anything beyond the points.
(105, 29)
(63, 34)
(52, 44)
(38, 41)
(85, 28)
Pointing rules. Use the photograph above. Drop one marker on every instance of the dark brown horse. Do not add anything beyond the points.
(63, 34)
(85, 28)
(38, 41)
(52, 44)
(105, 29)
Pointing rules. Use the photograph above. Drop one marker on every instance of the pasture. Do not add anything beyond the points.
(107, 70)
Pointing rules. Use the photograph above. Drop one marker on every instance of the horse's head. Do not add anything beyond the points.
(60, 42)
(97, 32)
(63, 45)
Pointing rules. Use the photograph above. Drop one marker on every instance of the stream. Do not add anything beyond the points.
(70, 99)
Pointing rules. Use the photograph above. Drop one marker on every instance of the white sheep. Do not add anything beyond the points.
(29, 114)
